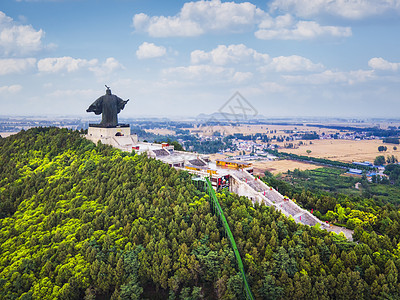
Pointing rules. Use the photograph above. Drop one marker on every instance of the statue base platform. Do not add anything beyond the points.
(119, 136)
(102, 126)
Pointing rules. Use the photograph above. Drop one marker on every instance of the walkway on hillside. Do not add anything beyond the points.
(285, 205)
(337, 229)
(257, 189)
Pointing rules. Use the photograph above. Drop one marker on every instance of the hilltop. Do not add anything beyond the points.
(85, 221)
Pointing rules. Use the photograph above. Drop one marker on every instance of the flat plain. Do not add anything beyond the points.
(7, 134)
(345, 150)
(340, 149)
(281, 166)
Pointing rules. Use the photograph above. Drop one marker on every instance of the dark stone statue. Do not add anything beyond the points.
(109, 106)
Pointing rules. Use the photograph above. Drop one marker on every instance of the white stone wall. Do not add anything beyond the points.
(108, 136)
(98, 132)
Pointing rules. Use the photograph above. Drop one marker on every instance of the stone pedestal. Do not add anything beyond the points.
(119, 136)
(101, 132)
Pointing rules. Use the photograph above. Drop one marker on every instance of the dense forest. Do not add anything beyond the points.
(80, 221)
(84, 221)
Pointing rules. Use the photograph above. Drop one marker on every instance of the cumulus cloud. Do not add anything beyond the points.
(349, 9)
(166, 26)
(196, 18)
(287, 28)
(329, 76)
(240, 77)
(68, 64)
(15, 65)
(207, 73)
(62, 64)
(223, 55)
(293, 63)
(272, 87)
(150, 50)
(109, 66)
(241, 54)
(10, 89)
(197, 71)
(89, 93)
(378, 63)
(17, 40)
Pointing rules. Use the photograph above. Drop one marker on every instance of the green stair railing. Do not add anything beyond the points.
(218, 210)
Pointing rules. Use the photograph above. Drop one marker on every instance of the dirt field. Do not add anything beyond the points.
(215, 156)
(341, 150)
(162, 131)
(280, 129)
(275, 167)
(345, 150)
(252, 129)
(6, 134)
(281, 166)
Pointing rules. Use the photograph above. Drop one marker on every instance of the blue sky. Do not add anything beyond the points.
(327, 58)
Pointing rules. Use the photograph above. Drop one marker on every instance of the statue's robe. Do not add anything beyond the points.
(109, 106)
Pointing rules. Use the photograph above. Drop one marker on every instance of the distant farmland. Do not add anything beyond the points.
(345, 150)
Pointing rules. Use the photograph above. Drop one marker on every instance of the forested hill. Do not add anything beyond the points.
(84, 221)
(80, 221)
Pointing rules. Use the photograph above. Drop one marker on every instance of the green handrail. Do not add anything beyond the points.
(217, 207)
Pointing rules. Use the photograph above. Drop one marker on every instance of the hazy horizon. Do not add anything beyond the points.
(194, 117)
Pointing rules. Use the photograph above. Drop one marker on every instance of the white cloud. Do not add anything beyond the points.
(197, 71)
(166, 26)
(244, 56)
(287, 28)
(207, 73)
(62, 64)
(10, 89)
(329, 76)
(272, 87)
(89, 93)
(111, 64)
(378, 63)
(196, 18)
(349, 9)
(223, 55)
(200, 56)
(69, 65)
(240, 77)
(15, 65)
(108, 67)
(293, 63)
(149, 50)
(16, 40)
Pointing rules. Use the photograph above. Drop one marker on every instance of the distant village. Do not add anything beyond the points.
(199, 136)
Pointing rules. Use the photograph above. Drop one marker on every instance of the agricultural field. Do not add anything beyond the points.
(273, 166)
(281, 166)
(281, 130)
(347, 148)
(6, 134)
(344, 150)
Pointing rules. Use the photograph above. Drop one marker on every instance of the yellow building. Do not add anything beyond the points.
(200, 168)
(232, 164)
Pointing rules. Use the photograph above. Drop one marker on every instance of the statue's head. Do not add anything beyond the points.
(108, 91)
